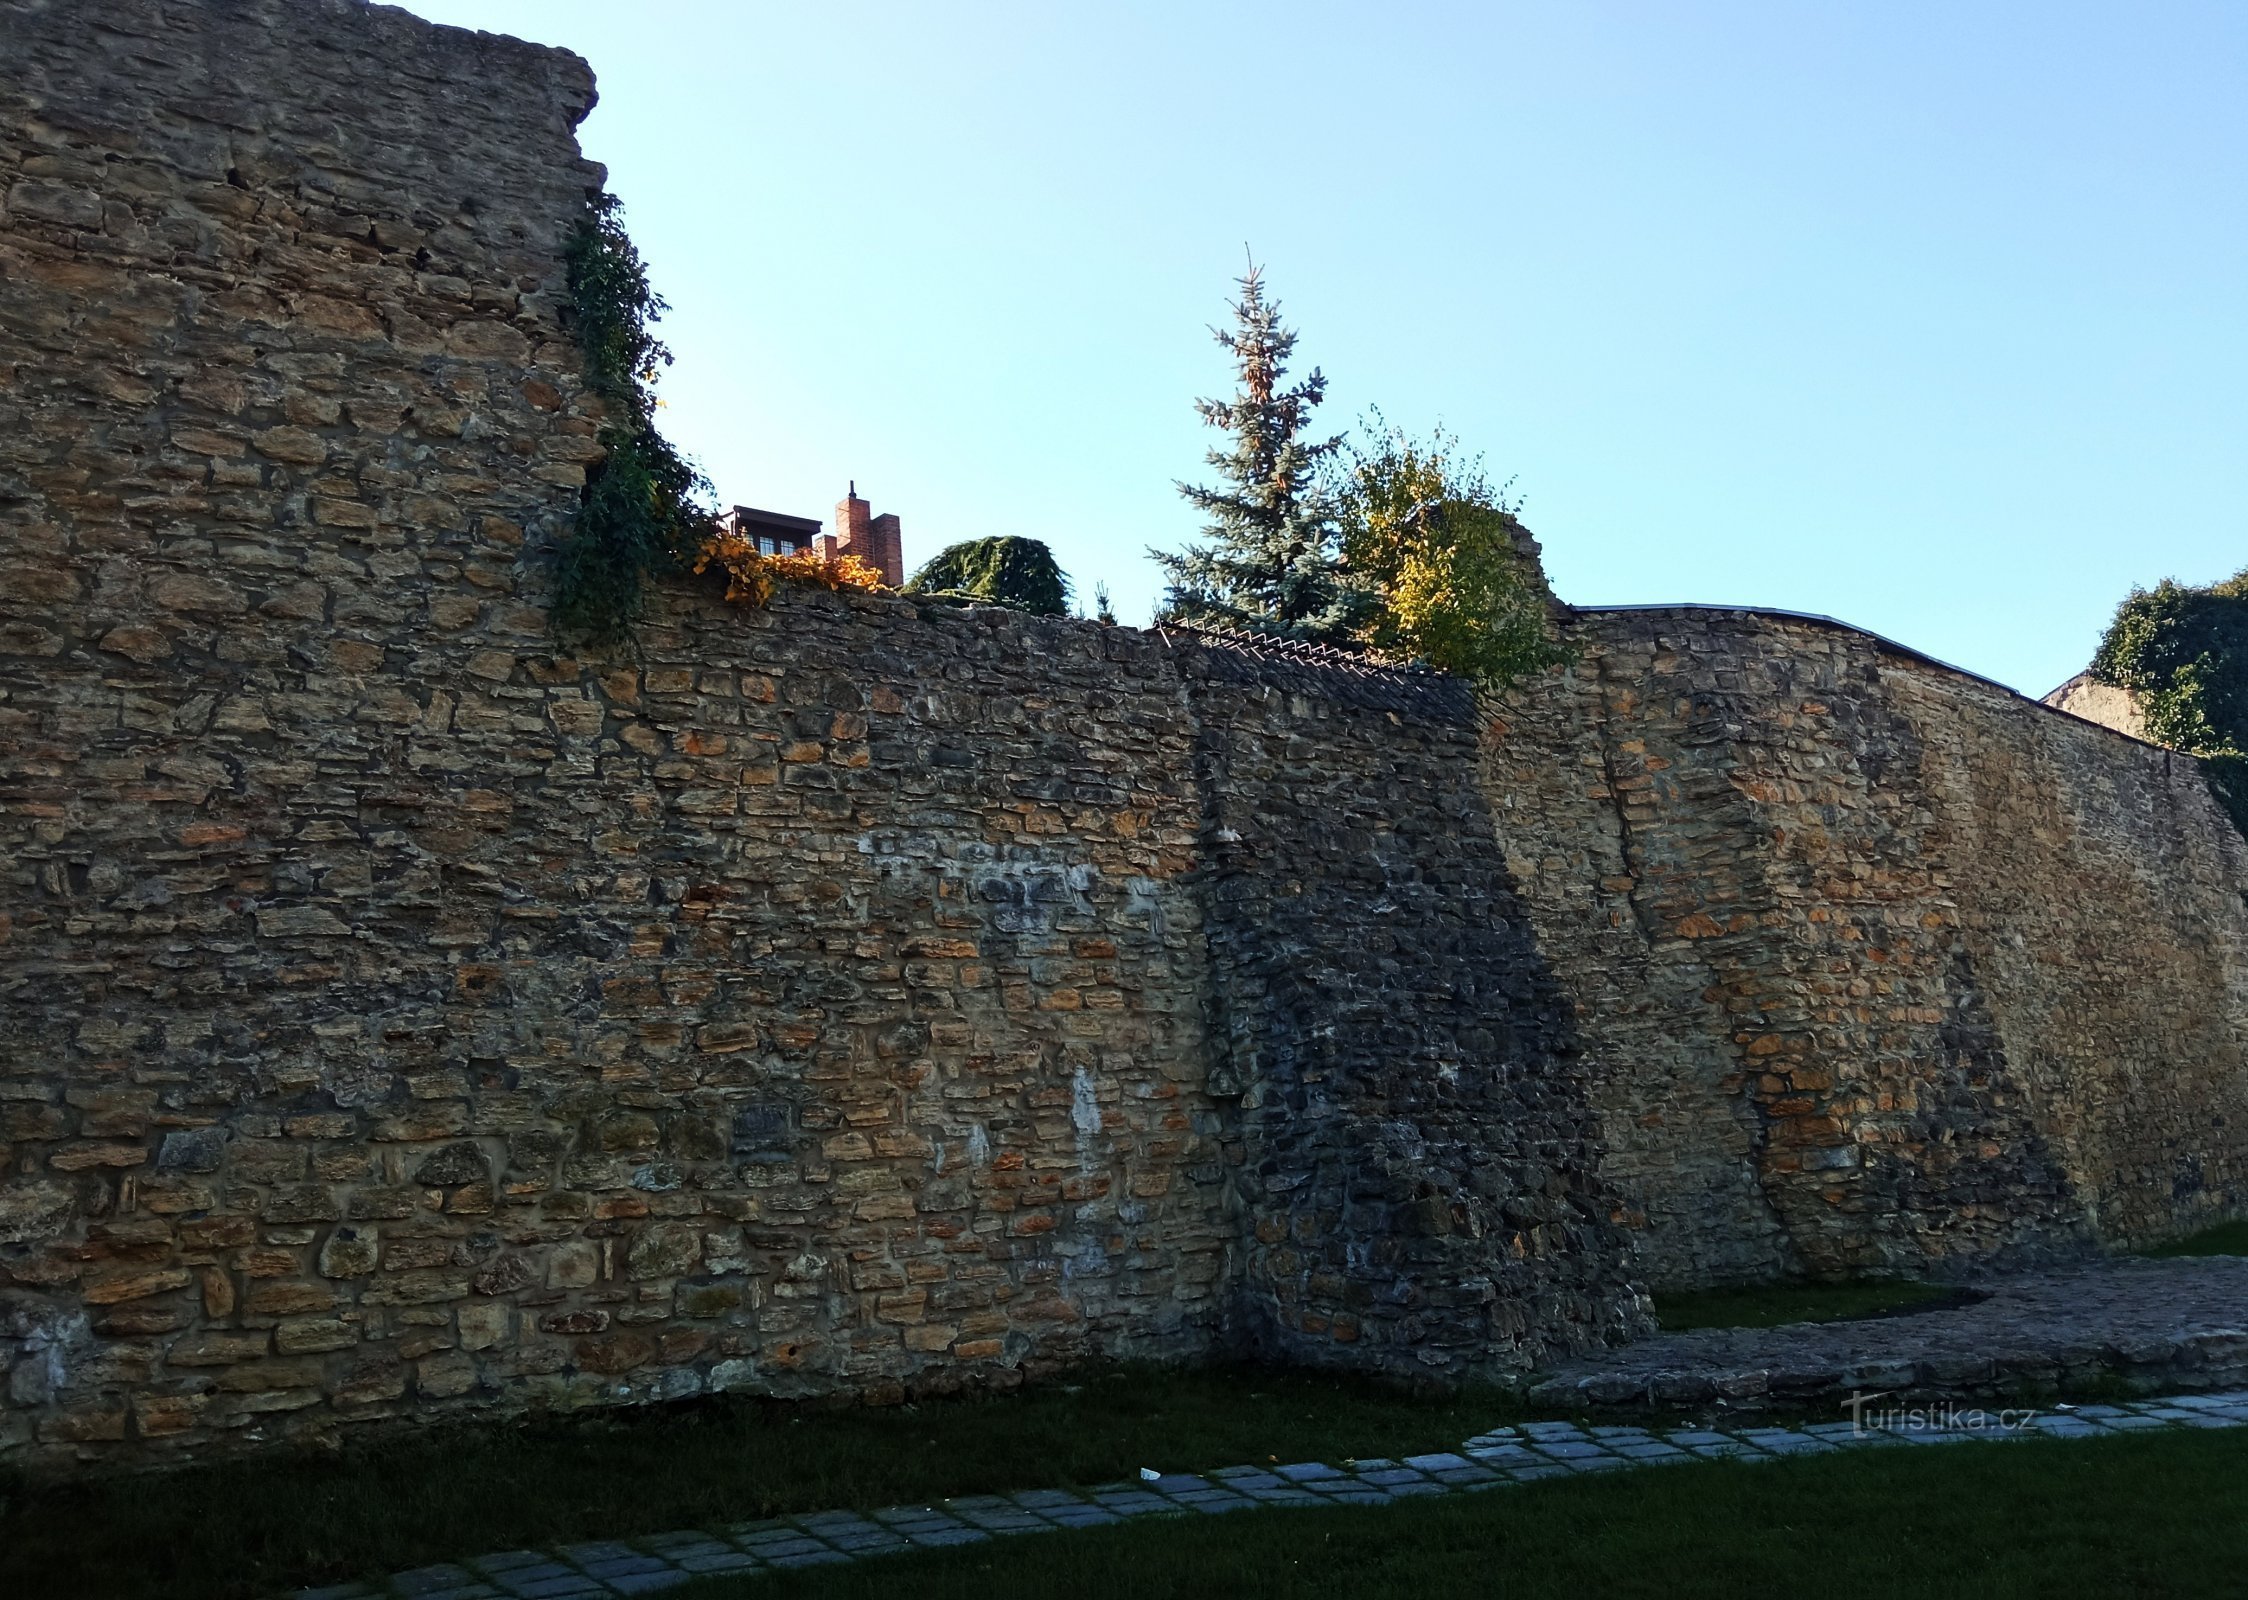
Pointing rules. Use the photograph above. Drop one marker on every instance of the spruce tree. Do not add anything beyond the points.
(1270, 562)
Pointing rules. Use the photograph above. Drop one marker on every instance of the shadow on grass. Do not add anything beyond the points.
(2150, 1515)
(257, 1527)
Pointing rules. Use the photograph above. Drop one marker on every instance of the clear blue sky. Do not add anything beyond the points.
(1931, 316)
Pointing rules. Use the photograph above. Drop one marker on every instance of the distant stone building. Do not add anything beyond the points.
(874, 540)
(2104, 703)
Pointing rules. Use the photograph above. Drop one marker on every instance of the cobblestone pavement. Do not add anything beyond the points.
(1506, 1455)
(2159, 1325)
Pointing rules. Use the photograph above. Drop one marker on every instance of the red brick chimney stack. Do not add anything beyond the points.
(888, 543)
(874, 540)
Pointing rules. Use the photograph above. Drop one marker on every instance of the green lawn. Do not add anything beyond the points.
(258, 1527)
(2152, 1515)
(255, 1528)
(1772, 1305)
(2225, 1239)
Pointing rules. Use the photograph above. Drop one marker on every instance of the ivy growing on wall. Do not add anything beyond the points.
(646, 507)
(2183, 652)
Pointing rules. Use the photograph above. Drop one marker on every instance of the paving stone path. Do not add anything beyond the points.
(2160, 1326)
(1532, 1450)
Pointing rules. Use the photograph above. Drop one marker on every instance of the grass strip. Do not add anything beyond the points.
(2146, 1515)
(263, 1525)
(1775, 1305)
(2225, 1239)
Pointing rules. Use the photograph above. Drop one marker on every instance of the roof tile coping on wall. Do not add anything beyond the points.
(1359, 678)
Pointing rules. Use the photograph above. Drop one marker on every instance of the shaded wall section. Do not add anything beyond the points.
(1879, 966)
(1418, 1170)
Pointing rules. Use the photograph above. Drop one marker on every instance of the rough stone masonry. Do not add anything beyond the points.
(404, 1020)
(1879, 967)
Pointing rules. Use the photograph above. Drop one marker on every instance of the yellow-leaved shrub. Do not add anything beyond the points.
(751, 575)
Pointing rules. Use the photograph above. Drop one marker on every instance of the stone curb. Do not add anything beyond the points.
(600, 1569)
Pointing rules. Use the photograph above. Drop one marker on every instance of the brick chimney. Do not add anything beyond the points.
(874, 540)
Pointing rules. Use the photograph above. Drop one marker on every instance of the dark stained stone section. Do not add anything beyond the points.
(1418, 1164)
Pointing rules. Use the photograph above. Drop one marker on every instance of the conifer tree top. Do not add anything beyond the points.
(1268, 560)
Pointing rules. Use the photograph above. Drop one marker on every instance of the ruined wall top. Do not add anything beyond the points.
(359, 94)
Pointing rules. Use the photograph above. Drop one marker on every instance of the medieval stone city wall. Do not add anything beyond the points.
(1879, 966)
(404, 1021)
(865, 996)
(1420, 1166)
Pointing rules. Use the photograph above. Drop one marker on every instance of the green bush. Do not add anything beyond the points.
(1021, 573)
(1437, 544)
(2183, 652)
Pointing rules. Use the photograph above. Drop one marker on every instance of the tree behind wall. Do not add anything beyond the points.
(2183, 651)
(1269, 560)
(1424, 529)
(1020, 573)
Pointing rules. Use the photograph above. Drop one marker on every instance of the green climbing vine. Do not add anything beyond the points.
(646, 507)
(2183, 651)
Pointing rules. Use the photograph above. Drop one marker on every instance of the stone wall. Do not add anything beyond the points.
(1879, 966)
(864, 995)
(404, 1021)
(1419, 1173)
(2083, 696)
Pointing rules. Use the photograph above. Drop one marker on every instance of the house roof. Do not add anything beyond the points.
(775, 521)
